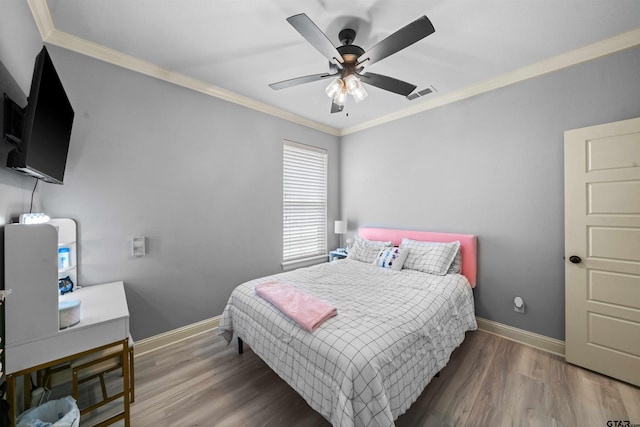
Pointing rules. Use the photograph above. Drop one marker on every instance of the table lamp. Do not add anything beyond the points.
(340, 228)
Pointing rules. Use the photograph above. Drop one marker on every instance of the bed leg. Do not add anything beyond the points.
(240, 349)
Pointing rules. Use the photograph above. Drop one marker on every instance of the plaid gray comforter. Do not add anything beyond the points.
(365, 367)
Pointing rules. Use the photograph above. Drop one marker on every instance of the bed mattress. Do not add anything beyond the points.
(365, 367)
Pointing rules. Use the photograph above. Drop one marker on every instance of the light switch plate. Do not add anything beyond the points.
(139, 246)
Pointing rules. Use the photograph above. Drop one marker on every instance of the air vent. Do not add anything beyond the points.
(421, 93)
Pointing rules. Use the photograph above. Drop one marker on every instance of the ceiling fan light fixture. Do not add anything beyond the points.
(352, 83)
(334, 87)
(354, 88)
(359, 94)
(340, 97)
(348, 60)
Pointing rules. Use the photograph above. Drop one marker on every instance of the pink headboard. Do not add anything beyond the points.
(468, 244)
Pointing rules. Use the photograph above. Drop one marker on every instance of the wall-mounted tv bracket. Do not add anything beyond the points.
(13, 113)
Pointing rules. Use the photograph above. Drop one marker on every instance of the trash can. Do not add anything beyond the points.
(55, 413)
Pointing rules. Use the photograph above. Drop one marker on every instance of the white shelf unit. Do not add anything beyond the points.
(34, 338)
(31, 272)
(67, 238)
(31, 269)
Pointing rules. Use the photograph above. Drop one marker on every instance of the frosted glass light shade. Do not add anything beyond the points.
(359, 94)
(352, 83)
(354, 88)
(341, 97)
(334, 88)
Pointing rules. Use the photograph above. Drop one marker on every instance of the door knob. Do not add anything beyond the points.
(575, 259)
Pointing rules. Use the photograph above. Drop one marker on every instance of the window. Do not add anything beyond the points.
(304, 202)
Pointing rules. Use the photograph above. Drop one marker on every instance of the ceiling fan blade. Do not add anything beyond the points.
(299, 80)
(335, 108)
(310, 31)
(405, 36)
(387, 83)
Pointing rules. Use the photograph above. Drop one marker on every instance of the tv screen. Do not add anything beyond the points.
(47, 123)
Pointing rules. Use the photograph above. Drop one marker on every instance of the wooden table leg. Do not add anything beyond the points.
(11, 399)
(26, 392)
(125, 372)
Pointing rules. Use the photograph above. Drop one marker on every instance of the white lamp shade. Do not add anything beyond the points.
(340, 227)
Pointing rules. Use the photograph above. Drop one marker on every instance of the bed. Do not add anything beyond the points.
(394, 331)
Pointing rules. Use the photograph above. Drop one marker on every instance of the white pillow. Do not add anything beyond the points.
(430, 257)
(366, 250)
(456, 265)
(392, 258)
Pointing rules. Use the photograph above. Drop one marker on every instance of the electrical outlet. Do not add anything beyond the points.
(518, 305)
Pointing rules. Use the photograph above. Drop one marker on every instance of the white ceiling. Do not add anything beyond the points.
(243, 45)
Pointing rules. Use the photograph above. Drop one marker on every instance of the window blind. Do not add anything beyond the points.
(304, 201)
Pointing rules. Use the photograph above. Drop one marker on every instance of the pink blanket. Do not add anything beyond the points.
(306, 310)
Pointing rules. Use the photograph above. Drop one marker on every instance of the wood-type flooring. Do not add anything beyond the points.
(489, 381)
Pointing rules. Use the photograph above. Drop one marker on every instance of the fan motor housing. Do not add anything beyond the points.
(350, 53)
(350, 49)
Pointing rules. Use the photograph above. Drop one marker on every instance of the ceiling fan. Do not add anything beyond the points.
(347, 62)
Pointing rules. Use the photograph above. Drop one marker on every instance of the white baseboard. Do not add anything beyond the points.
(521, 336)
(159, 341)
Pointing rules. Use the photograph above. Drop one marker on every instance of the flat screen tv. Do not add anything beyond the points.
(46, 126)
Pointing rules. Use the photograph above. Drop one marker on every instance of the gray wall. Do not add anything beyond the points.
(199, 177)
(492, 165)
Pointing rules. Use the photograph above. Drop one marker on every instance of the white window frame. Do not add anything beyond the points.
(304, 202)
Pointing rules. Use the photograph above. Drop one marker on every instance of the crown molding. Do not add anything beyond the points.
(44, 22)
(102, 53)
(596, 50)
(53, 36)
(42, 16)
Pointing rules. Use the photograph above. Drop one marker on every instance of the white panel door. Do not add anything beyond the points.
(602, 248)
